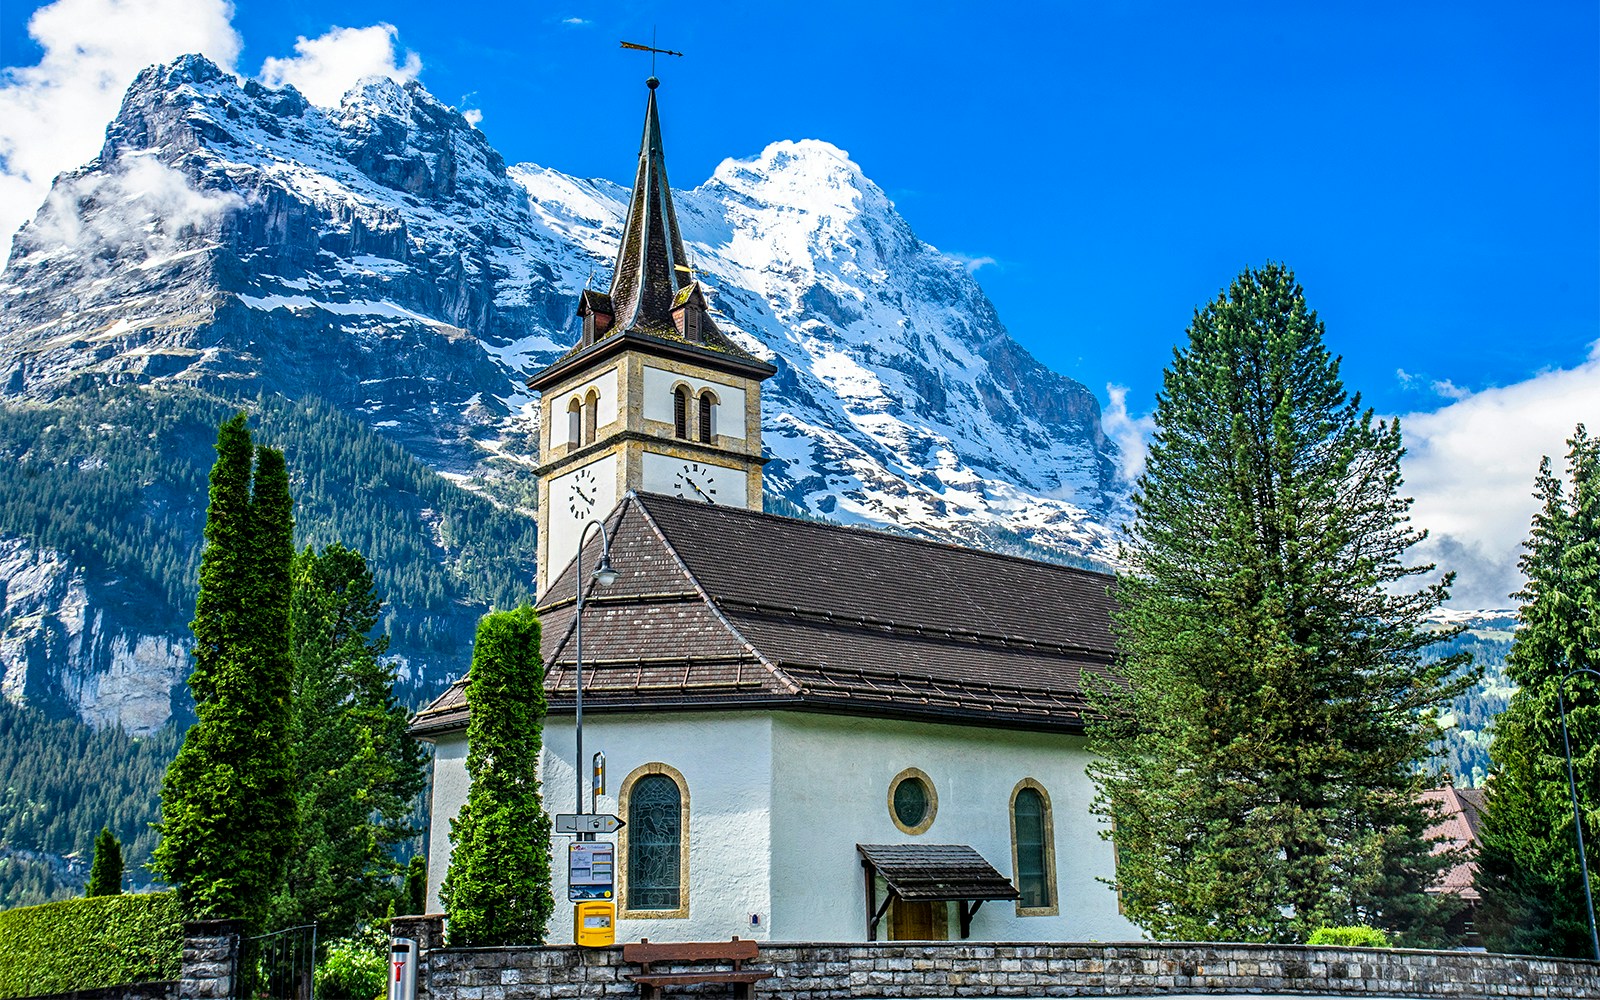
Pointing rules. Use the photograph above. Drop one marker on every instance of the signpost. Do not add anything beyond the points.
(591, 870)
(587, 823)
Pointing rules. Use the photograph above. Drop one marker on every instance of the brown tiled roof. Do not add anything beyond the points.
(937, 872)
(1459, 810)
(723, 607)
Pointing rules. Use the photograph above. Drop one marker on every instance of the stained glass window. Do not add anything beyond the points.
(911, 801)
(655, 830)
(1032, 880)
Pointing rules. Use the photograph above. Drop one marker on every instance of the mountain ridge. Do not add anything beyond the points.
(381, 258)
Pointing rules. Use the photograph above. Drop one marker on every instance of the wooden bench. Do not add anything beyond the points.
(735, 951)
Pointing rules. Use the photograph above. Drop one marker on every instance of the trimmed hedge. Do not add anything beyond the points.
(80, 944)
(1359, 936)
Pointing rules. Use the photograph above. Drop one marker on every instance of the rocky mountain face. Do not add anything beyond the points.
(381, 258)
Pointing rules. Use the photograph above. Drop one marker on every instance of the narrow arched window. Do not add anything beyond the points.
(708, 410)
(1032, 852)
(680, 412)
(574, 423)
(655, 848)
(591, 416)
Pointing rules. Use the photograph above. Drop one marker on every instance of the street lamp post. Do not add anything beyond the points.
(1577, 815)
(605, 575)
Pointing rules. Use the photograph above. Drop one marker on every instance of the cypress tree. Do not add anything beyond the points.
(1528, 859)
(105, 871)
(226, 802)
(1261, 761)
(357, 772)
(497, 891)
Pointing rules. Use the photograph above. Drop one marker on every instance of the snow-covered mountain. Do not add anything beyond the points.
(381, 257)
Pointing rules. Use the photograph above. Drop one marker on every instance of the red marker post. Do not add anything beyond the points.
(402, 969)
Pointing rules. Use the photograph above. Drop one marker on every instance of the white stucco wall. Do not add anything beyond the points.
(658, 405)
(605, 385)
(779, 801)
(725, 759)
(830, 792)
(449, 795)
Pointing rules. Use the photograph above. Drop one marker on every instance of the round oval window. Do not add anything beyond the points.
(912, 801)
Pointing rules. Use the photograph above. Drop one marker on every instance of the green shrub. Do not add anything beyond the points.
(355, 968)
(1349, 937)
(80, 944)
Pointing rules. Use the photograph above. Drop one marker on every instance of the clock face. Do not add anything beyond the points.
(585, 491)
(694, 481)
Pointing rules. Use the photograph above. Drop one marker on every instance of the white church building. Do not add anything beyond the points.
(813, 733)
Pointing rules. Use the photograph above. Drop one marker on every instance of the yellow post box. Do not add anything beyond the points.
(594, 924)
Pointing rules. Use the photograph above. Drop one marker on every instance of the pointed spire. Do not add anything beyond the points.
(647, 275)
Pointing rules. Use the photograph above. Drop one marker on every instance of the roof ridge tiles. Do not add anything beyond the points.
(875, 533)
(920, 629)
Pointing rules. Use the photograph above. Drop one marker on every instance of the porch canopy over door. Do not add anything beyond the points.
(930, 873)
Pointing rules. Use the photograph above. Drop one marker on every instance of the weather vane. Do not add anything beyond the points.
(651, 48)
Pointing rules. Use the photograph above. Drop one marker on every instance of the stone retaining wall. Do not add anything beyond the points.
(951, 969)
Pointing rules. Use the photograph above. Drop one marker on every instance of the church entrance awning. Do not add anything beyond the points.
(930, 873)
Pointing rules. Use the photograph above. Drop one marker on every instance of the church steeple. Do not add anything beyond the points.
(646, 280)
(654, 396)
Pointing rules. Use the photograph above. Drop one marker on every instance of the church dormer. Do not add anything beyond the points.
(654, 396)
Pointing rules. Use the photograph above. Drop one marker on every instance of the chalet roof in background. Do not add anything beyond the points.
(723, 607)
(1459, 812)
(937, 872)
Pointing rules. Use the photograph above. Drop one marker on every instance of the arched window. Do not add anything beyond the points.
(680, 412)
(574, 423)
(655, 843)
(1032, 849)
(591, 411)
(708, 412)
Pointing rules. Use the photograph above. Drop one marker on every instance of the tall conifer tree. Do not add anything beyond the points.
(1528, 858)
(498, 888)
(357, 772)
(1262, 763)
(105, 871)
(226, 802)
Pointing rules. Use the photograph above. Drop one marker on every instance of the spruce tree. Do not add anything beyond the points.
(105, 871)
(1261, 759)
(1528, 858)
(497, 891)
(357, 772)
(226, 801)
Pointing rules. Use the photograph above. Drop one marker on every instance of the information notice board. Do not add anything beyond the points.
(591, 870)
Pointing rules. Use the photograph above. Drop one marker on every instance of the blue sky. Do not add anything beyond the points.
(1430, 170)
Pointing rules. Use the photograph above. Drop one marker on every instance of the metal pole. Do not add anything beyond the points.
(1577, 814)
(577, 638)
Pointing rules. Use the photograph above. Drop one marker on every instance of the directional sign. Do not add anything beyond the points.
(587, 823)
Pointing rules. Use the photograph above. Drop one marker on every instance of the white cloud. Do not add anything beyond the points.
(473, 116)
(574, 21)
(324, 68)
(53, 115)
(1471, 464)
(154, 207)
(1132, 434)
(974, 263)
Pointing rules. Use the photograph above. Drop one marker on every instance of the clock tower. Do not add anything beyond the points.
(654, 397)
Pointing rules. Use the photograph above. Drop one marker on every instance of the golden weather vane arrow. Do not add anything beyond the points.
(652, 50)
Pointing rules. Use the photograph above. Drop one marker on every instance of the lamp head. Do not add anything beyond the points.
(605, 574)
